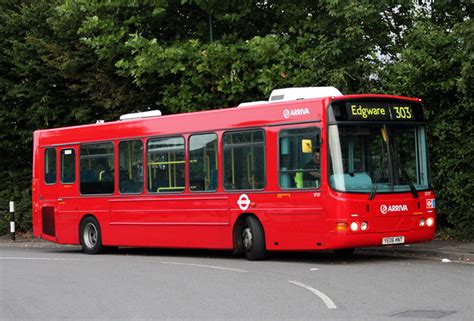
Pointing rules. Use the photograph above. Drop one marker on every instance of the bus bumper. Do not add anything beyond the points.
(354, 240)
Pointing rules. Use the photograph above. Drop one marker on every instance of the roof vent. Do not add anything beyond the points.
(300, 93)
(253, 103)
(144, 114)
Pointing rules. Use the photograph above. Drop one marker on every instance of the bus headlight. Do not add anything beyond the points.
(422, 222)
(354, 226)
(364, 226)
(429, 221)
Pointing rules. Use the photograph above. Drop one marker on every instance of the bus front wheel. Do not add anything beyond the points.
(253, 239)
(90, 236)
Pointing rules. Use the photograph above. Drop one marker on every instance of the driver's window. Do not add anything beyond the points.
(299, 158)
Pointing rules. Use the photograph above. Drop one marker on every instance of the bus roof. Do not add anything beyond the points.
(258, 115)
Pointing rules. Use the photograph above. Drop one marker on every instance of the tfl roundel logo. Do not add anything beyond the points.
(243, 202)
(383, 209)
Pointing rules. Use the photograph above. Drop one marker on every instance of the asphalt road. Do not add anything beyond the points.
(55, 282)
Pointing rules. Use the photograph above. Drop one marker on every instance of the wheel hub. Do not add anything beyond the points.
(90, 235)
(247, 238)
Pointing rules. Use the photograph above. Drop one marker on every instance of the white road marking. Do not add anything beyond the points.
(206, 266)
(42, 258)
(327, 300)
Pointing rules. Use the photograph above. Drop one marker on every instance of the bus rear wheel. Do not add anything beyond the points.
(90, 236)
(253, 239)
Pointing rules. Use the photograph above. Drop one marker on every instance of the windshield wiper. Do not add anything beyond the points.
(403, 173)
(408, 181)
(413, 189)
(375, 185)
(372, 192)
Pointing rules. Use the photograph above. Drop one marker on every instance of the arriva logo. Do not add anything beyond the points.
(287, 113)
(384, 209)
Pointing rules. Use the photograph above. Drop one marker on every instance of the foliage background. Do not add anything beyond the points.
(73, 62)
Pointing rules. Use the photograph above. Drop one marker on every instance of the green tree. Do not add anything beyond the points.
(436, 65)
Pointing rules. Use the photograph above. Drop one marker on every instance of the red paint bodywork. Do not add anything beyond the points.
(292, 219)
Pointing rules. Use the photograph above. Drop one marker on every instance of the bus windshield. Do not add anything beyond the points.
(378, 157)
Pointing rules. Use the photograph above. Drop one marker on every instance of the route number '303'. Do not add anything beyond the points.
(403, 113)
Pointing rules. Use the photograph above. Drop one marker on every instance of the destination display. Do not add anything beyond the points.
(379, 111)
(376, 111)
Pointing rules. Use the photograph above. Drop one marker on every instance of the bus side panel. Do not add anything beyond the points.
(290, 220)
(67, 231)
(86, 206)
(296, 221)
(170, 221)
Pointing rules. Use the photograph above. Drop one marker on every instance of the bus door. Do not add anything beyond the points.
(47, 195)
(297, 215)
(67, 192)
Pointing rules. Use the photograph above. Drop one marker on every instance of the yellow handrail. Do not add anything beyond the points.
(167, 163)
(130, 161)
(159, 189)
(207, 166)
(233, 162)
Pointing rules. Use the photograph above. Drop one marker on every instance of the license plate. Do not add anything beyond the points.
(393, 240)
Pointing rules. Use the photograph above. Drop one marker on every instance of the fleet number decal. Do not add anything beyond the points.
(384, 209)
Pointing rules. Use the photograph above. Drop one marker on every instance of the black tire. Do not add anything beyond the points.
(342, 253)
(90, 236)
(253, 239)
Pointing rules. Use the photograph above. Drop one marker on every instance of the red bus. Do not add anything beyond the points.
(311, 169)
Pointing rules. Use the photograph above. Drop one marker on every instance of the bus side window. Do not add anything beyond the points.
(50, 166)
(165, 165)
(203, 162)
(299, 158)
(131, 167)
(97, 168)
(244, 160)
(68, 166)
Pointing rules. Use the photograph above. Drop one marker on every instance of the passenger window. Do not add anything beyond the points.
(203, 162)
(300, 158)
(97, 168)
(50, 166)
(68, 166)
(165, 161)
(131, 167)
(244, 160)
